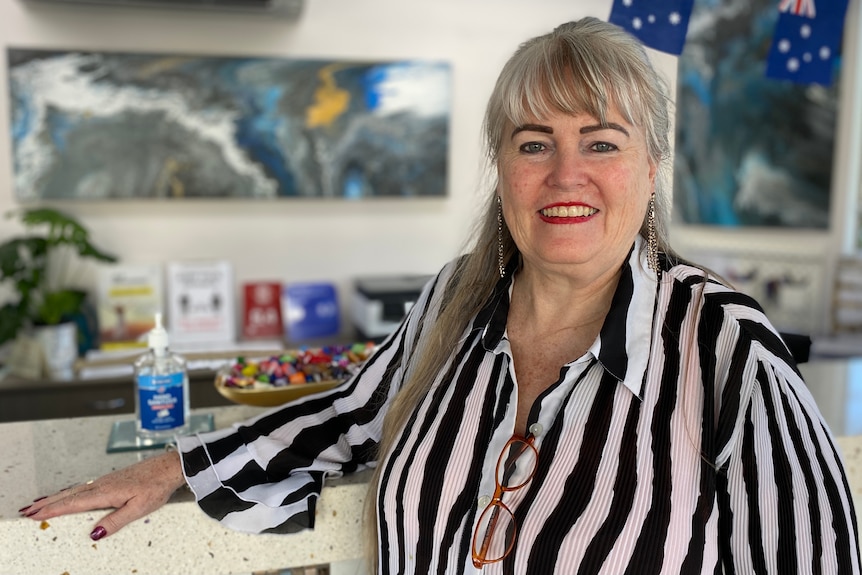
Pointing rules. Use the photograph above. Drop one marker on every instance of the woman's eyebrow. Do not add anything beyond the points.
(598, 127)
(532, 128)
(583, 130)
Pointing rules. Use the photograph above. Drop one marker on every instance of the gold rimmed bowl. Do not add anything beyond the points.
(271, 396)
(278, 379)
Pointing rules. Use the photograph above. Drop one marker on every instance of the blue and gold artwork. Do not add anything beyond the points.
(103, 125)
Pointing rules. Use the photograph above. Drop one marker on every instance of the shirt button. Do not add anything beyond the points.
(536, 429)
(483, 501)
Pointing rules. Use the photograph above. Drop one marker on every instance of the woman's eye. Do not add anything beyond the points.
(603, 147)
(532, 147)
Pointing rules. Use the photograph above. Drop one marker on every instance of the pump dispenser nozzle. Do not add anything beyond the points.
(158, 337)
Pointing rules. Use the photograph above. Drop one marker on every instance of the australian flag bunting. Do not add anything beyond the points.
(807, 41)
(659, 24)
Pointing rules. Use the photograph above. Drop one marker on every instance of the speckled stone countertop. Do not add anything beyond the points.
(40, 457)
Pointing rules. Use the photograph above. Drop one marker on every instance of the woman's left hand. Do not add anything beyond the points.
(133, 492)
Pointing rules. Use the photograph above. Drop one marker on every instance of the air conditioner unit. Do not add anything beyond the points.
(280, 8)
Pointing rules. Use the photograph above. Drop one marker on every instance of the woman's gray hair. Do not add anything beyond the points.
(586, 66)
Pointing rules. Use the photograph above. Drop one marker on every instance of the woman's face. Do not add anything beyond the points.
(574, 191)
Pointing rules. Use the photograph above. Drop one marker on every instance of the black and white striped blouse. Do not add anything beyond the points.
(691, 447)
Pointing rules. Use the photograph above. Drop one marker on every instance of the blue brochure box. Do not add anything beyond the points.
(310, 310)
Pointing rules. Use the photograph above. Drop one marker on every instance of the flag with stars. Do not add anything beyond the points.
(807, 41)
(659, 24)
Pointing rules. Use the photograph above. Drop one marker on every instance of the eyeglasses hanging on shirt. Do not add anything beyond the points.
(496, 531)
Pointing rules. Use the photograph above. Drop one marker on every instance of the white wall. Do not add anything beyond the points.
(293, 240)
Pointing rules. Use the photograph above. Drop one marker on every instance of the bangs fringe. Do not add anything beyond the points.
(560, 80)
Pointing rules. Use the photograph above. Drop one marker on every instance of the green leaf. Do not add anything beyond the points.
(12, 318)
(88, 250)
(54, 219)
(58, 304)
(19, 255)
(64, 230)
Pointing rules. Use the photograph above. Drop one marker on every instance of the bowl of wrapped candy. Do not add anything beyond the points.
(274, 380)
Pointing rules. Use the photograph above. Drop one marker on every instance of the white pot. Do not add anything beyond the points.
(60, 347)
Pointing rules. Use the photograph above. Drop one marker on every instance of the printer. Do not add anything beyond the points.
(379, 303)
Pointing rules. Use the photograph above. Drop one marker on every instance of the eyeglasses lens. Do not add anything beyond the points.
(516, 465)
(495, 533)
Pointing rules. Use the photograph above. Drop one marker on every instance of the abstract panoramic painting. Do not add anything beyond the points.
(103, 125)
(749, 150)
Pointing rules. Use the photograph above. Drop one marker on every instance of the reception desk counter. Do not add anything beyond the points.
(40, 457)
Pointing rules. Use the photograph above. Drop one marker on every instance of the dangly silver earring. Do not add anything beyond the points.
(652, 241)
(500, 262)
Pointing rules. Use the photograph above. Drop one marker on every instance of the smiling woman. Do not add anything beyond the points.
(567, 396)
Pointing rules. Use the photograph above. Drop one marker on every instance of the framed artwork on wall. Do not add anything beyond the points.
(749, 150)
(109, 125)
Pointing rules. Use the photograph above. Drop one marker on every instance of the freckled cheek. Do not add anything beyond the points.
(516, 180)
(630, 185)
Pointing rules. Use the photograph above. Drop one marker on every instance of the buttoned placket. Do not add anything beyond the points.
(551, 406)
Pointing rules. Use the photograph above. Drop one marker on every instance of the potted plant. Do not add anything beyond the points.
(38, 266)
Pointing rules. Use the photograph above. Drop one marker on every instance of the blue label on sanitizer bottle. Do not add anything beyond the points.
(161, 401)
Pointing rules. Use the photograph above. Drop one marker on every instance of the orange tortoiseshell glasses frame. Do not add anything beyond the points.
(496, 530)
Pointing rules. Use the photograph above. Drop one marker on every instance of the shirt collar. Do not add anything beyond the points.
(626, 336)
(492, 318)
(623, 346)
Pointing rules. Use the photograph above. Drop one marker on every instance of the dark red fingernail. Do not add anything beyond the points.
(39, 499)
(31, 514)
(98, 533)
(23, 509)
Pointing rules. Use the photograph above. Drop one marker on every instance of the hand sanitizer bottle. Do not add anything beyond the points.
(161, 389)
